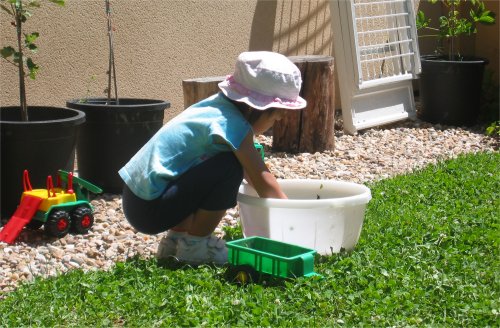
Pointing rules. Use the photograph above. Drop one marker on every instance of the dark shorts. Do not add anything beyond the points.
(211, 185)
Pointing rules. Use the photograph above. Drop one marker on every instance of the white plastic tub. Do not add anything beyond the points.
(321, 214)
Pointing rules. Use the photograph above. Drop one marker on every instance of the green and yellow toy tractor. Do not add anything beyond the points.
(58, 209)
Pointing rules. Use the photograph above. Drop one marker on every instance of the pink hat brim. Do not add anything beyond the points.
(235, 91)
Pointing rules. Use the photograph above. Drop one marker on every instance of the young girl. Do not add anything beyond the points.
(186, 177)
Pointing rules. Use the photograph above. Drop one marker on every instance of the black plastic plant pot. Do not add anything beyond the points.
(43, 145)
(450, 91)
(112, 134)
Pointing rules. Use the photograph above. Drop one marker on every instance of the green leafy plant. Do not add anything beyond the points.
(232, 233)
(493, 129)
(455, 23)
(21, 11)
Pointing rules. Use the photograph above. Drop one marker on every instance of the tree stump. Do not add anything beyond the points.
(311, 129)
(198, 89)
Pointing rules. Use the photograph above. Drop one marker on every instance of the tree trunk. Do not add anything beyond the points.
(311, 129)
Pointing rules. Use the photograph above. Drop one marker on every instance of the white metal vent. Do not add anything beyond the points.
(376, 52)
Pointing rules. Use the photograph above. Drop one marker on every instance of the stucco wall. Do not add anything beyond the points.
(158, 43)
(487, 40)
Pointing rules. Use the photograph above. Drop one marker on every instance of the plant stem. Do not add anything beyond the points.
(452, 35)
(22, 86)
(111, 65)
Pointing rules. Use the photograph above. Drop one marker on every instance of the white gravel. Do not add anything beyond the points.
(373, 154)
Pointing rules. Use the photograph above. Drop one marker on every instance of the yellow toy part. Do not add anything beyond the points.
(56, 196)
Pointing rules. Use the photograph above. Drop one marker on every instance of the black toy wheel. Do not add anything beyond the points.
(58, 224)
(241, 274)
(82, 220)
(34, 225)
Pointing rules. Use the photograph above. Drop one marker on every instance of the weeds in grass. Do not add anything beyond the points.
(428, 255)
(232, 232)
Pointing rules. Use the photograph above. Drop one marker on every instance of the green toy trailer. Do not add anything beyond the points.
(254, 257)
(55, 208)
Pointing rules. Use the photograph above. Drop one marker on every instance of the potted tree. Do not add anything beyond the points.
(41, 139)
(115, 129)
(450, 81)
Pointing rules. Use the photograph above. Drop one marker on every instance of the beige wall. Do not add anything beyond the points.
(488, 40)
(158, 43)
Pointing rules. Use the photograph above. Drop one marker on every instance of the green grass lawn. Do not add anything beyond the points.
(428, 255)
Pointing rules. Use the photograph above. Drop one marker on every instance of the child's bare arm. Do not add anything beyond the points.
(256, 171)
(247, 178)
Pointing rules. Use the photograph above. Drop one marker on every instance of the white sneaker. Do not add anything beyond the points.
(198, 250)
(168, 245)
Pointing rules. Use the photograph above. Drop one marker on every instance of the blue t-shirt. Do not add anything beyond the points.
(201, 131)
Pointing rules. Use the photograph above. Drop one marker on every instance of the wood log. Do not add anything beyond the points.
(286, 132)
(198, 89)
(312, 129)
(317, 129)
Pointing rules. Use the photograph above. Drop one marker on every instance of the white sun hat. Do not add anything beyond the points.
(264, 79)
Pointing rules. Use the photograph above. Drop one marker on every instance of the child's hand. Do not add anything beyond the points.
(256, 172)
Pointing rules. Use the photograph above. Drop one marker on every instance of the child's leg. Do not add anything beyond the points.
(199, 246)
(201, 223)
(213, 187)
(195, 203)
(184, 226)
(196, 227)
(204, 222)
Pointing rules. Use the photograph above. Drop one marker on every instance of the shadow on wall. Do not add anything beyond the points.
(292, 27)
